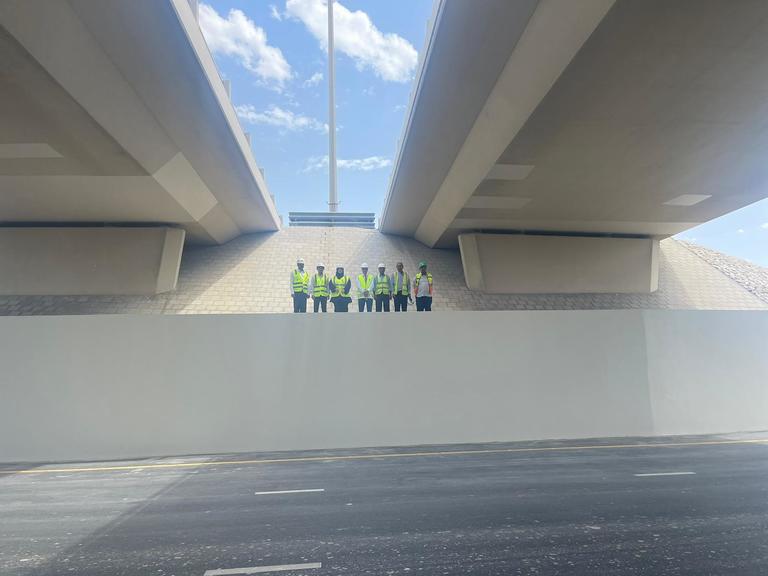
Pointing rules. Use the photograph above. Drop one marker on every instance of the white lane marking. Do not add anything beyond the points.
(289, 491)
(262, 569)
(666, 474)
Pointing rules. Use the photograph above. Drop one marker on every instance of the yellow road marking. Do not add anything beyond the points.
(379, 456)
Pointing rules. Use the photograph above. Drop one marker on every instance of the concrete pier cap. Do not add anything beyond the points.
(553, 264)
(90, 260)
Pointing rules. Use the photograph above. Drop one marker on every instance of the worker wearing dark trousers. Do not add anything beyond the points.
(364, 289)
(382, 289)
(422, 289)
(340, 287)
(319, 288)
(299, 287)
(401, 288)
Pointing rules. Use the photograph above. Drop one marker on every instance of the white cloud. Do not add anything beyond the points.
(390, 56)
(365, 164)
(764, 226)
(275, 13)
(239, 37)
(281, 118)
(314, 80)
(740, 230)
(356, 164)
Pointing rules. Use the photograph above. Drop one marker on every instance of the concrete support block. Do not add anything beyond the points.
(543, 264)
(89, 261)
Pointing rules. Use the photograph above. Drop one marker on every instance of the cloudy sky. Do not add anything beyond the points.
(273, 52)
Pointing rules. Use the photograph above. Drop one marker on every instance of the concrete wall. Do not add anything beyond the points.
(530, 264)
(67, 261)
(120, 386)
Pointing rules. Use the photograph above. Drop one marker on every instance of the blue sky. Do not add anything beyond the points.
(273, 52)
(287, 116)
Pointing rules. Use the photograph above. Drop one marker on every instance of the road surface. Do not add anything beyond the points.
(692, 505)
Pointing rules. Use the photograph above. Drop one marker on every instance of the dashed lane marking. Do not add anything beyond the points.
(289, 491)
(262, 569)
(665, 474)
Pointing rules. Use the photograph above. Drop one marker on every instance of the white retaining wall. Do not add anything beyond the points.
(98, 387)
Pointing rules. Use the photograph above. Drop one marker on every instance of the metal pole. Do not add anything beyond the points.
(333, 201)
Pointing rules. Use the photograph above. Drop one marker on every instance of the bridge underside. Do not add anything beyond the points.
(112, 114)
(603, 118)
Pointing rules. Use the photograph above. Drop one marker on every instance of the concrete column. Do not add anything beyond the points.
(93, 261)
(531, 264)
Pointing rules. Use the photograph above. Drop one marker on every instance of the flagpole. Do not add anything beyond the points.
(333, 202)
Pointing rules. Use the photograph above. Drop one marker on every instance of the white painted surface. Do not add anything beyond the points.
(288, 492)
(665, 474)
(528, 264)
(263, 569)
(89, 261)
(100, 387)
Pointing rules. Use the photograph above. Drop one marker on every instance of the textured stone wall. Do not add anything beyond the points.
(250, 275)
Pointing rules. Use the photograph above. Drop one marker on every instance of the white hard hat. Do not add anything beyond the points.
(300, 261)
(364, 265)
(320, 265)
(381, 265)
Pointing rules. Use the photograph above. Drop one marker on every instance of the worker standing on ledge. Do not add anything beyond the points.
(340, 287)
(299, 287)
(422, 289)
(382, 289)
(319, 288)
(401, 288)
(364, 290)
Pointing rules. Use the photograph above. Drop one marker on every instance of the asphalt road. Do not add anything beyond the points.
(536, 508)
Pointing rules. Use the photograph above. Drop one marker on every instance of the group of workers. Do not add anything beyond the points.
(380, 288)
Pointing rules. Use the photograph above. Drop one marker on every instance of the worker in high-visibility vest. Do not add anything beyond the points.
(340, 288)
(319, 288)
(401, 288)
(364, 289)
(382, 289)
(299, 287)
(422, 288)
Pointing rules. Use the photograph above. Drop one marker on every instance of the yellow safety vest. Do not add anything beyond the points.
(418, 279)
(321, 286)
(300, 282)
(402, 289)
(339, 286)
(382, 285)
(364, 284)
